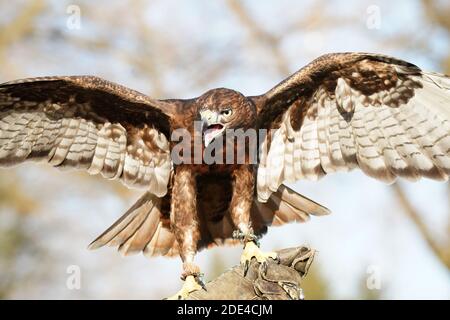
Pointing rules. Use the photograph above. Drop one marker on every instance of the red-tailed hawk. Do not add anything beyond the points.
(340, 112)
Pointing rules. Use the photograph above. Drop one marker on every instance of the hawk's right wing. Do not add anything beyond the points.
(88, 123)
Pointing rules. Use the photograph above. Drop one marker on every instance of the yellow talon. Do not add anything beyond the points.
(251, 250)
(190, 285)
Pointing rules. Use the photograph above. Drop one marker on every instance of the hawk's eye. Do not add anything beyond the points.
(226, 112)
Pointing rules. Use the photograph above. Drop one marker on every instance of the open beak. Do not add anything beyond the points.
(211, 126)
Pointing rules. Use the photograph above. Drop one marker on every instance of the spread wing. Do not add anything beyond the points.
(354, 110)
(87, 123)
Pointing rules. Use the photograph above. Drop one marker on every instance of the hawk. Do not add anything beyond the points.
(340, 112)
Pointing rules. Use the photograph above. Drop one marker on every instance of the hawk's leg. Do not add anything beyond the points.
(184, 221)
(241, 203)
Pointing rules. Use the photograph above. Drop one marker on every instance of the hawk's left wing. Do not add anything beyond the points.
(351, 110)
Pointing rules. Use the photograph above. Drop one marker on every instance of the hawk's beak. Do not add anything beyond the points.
(211, 126)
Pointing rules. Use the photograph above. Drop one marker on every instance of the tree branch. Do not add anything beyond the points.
(441, 252)
(272, 281)
(259, 35)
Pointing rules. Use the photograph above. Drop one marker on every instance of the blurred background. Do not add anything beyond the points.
(381, 242)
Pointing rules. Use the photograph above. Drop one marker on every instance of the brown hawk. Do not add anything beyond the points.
(342, 111)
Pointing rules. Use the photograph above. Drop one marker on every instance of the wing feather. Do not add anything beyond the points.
(355, 110)
(87, 123)
(310, 159)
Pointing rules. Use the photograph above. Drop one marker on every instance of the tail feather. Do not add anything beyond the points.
(130, 230)
(118, 228)
(286, 212)
(162, 244)
(141, 228)
(285, 206)
(145, 228)
(139, 240)
(301, 202)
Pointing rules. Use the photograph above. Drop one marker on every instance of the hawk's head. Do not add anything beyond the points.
(222, 109)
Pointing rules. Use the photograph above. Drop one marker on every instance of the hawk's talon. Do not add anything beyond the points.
(251, 250)
(263, 267)
(201, 282)
(277, 259)
(246, 237)
(191, 284)
(246, 265)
